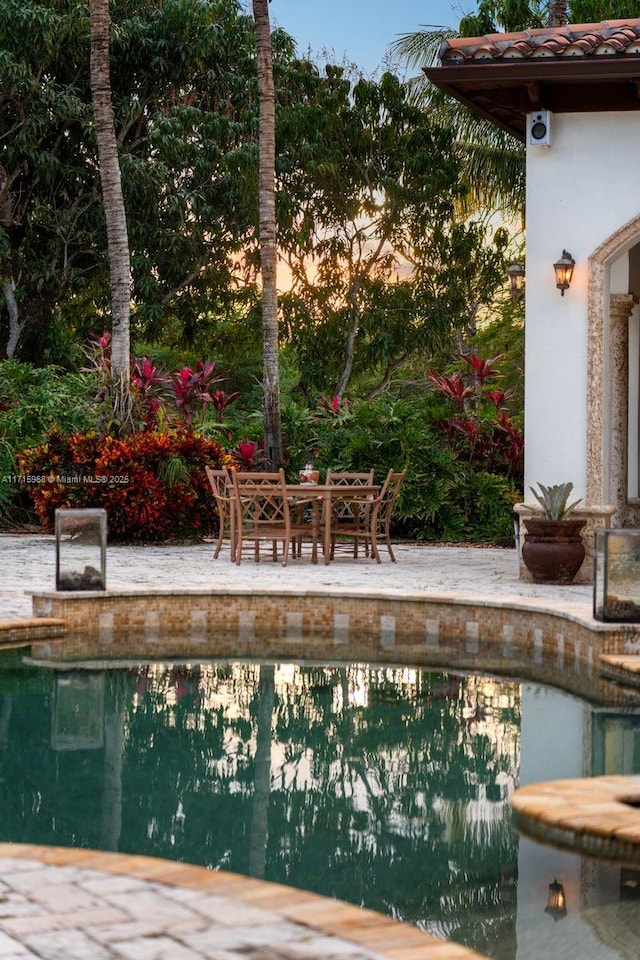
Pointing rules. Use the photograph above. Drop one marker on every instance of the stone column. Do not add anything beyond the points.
(620, 307)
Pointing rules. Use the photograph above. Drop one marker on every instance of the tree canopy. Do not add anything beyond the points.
(368, 196)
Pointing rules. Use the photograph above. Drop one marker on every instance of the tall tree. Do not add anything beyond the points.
(113, 200)
(371, 236)
(493, 161)
(268, 249)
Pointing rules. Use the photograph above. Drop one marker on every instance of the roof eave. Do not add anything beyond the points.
(500, 72)
(476, 108)
(503, 92)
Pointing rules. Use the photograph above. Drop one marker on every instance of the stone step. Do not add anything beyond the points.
(622, 667)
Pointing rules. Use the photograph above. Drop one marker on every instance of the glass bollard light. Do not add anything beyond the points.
(81, 549)
(616, 576)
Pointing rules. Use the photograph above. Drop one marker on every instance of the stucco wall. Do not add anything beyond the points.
(580, 191)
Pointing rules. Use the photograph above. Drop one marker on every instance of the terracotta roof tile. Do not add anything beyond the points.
(609, 38)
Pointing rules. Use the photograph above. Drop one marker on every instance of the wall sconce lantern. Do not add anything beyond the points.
(515, 272)
(81, 549)
(556, 904)
(616, 576)
(564, 271)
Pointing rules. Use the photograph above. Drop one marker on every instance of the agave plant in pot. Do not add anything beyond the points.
(553, 550)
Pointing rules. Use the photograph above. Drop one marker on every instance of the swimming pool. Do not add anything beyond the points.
(384, 786)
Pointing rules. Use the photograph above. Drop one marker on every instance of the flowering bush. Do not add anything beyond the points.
(183, 395)
(152, 485)
(482, 432)
(249, 455)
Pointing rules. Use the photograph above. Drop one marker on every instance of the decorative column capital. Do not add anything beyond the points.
(621, 306)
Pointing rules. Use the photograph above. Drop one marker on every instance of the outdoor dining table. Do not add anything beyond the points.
(326, 494)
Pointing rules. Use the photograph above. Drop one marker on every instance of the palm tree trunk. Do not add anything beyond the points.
(116, 221)
(268, 250)
(259, 830)
(557, 13)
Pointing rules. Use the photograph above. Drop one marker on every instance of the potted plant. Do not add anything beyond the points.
(553, 550)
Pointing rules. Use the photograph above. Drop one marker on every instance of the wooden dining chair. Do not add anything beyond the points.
(263, 512)
(343, 512)
(221, 487)
(377, 521)
(382, 511)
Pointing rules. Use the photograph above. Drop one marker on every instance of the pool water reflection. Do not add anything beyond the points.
(386, 787)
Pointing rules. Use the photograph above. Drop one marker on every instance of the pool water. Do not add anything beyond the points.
(386, 787)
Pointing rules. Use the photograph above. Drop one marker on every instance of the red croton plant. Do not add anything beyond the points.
(131, 477)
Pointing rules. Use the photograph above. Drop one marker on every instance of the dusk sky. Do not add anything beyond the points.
(361, 30)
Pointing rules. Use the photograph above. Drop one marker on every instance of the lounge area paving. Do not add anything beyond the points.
(27, 563)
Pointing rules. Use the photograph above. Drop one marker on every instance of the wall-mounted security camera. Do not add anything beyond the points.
(540, 128)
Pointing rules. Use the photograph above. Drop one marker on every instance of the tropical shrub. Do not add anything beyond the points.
(481, 432)
(152, 484)
(449, 494)
(32, 401)
(181, 397)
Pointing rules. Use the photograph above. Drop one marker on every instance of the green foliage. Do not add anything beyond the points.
(593, 11)
(173, 470)
(182, 92)
(444, 497)
(371, 184)
(456, 488)
(514, 15)
(368, 187)
(33, 401)
(553, 501)
(502, 334)
(507, 15)
(153, 485)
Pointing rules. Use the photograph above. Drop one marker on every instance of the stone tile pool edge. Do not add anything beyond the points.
(559, 645)
(355, 932)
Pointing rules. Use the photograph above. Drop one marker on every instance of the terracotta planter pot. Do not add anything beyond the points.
(553, 550)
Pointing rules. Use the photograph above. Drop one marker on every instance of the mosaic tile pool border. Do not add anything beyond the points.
(18, 633)
(510, 637)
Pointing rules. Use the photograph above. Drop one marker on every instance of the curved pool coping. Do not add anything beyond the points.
(594, 816)
(558, 643)
(73, 896)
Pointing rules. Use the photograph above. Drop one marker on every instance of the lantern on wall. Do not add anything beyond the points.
(81, 549)
(516, 274)
(564, 271)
